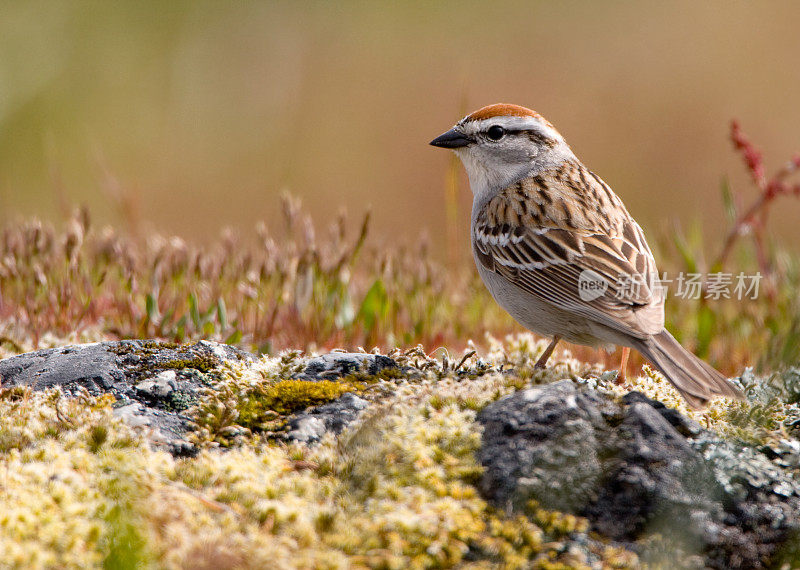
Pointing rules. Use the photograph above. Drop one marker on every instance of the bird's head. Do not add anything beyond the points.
(503, 143)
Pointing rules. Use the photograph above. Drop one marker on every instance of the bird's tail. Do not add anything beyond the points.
(697, 381)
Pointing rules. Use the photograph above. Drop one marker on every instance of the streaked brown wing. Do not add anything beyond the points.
(549, 262)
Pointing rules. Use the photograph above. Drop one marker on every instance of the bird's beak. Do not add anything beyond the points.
(451, 139)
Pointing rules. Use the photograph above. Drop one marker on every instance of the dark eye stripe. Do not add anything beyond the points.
(520, 131)
(533, 136)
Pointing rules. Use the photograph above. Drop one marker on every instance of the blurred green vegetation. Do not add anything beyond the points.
(302, 287)
(308, 288)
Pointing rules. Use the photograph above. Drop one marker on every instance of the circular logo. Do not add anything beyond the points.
(591, 285)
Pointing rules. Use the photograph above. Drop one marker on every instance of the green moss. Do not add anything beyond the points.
(288, 396)
(516, 382)
(98, 435)
(387, 374)
(13, 439)
(15, 393)
(159, 345)
(151, 348)
(555, 523)
(144, 347)
(465, 403)
(768, 414)
(126, 545)
(203, 363)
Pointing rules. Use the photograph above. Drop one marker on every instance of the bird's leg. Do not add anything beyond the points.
(623, 365)
(547, 352)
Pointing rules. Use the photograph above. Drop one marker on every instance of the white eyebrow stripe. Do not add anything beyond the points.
(510, 123)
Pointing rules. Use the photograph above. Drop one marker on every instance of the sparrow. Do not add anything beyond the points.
(559, 251)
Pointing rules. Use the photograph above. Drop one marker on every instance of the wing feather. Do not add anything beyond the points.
(546, 259)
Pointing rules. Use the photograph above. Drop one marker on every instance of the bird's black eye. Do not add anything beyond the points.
(496, 132)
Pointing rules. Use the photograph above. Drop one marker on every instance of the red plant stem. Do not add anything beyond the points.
(738, 229)
(769, 190)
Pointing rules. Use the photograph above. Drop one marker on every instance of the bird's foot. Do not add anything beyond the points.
(622, 376)
(542, 362)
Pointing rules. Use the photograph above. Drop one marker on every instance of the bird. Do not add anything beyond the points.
(558, 250)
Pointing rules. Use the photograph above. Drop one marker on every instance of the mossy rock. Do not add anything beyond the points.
(288, 396)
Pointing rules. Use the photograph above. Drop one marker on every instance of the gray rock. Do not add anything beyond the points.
(134, 414)
(306, 428)
(89, 366)
(532, 434)
(654, 475)
(159, 387)
(685, 426)
(337, 364)
(311, 426)
(151, 381)
(154, 382)
(636, 468)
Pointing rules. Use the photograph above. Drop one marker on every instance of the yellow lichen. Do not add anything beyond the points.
(397, 490)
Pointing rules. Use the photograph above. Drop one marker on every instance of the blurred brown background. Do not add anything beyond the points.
(204, 111)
